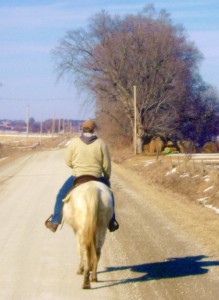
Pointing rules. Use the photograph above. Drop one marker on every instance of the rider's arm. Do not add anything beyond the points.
(68, 156)
(106, 162)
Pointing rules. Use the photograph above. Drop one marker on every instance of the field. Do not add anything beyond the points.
(16, 144)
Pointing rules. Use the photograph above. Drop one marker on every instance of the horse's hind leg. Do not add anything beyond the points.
(94, 269)
(80, 270)
(86, 283)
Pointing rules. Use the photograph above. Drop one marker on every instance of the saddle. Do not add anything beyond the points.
(84, 178)
(78, 181)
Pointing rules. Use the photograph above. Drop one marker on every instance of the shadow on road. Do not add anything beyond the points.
(172, 268)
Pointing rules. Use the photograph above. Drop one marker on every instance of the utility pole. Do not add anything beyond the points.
(135, 120)
(59, 126)
(69, 128)
(63, 125)
(41, 130)
(53, 125)
(27, 121)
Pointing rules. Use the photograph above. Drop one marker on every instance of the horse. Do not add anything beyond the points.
(88, 209)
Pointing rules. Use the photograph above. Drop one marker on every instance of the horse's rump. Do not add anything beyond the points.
(90, 199)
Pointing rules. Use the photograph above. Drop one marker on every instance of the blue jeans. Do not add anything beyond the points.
(67, 186)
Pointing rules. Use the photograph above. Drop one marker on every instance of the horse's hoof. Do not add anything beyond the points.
(86, 286)
(79, 272)
(94, 279)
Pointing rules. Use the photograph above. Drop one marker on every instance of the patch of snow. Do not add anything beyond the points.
(208, 189)
(202, 200)
(213, 208)
(206, 178)
(184, 175)
(147, 163)
(171, 172)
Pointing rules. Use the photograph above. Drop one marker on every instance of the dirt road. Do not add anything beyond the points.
(158, 253)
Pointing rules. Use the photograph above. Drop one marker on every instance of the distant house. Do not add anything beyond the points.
(5, 125)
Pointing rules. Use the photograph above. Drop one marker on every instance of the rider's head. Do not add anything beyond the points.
(88, 126)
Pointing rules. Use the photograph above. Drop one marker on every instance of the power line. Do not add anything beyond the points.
(36, 99)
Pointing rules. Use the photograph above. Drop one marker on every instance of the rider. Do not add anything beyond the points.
(86, 155)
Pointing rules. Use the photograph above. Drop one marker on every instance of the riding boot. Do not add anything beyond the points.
(113, 225)
(51, 225)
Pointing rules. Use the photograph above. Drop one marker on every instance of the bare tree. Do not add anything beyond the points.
(145, 50)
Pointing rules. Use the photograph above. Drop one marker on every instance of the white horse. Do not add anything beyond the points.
(88, 209)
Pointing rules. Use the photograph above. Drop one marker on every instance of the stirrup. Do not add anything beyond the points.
(49, 219)
(50, 225)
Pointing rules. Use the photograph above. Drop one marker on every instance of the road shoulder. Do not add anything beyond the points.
(199, 222)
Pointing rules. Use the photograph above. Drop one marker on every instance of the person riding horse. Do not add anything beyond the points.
(86, 155)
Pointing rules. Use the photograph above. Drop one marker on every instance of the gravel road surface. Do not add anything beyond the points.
(150, 257)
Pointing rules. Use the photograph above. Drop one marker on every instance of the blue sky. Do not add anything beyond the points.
(29, 30)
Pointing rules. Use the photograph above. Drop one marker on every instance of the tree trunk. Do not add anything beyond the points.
(139, 144)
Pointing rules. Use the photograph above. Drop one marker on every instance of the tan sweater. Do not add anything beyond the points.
(93, 159)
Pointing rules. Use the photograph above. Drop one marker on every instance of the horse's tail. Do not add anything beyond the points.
(92, 201)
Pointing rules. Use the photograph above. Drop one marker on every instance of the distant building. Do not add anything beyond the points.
(5, 125)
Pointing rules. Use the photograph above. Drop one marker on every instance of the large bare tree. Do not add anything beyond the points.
(145, 50)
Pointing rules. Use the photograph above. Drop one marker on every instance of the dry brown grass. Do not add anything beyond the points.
(186, 177)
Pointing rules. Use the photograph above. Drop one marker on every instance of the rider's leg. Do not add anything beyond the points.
(68, 184)
(107, 182)
(113, 224)
(53, 221)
